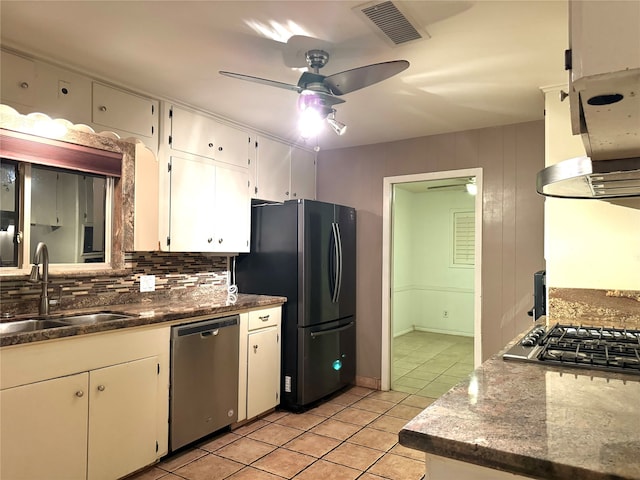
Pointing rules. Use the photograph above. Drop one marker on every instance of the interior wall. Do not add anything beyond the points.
(512, 234)
(426, 283)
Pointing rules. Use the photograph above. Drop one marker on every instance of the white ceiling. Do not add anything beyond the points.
(483, 64)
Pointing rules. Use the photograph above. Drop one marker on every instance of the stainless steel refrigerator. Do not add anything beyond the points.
(306, 250)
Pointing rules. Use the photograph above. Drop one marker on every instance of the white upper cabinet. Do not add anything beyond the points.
(303, 174)
(18, 82)
(129, 113)
(209, 207)
(202, 135)
(63, 94)
(273, 163)
(604, 36)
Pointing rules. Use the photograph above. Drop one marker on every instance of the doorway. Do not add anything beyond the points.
(432, 244)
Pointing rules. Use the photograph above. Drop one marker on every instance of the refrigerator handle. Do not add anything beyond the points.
(339, 275)
(336, 259)
(331, 330)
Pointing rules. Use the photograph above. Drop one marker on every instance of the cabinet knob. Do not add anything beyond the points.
(101, 388)
(79, 393)
(255, 349)
(211, 145)
(220, 240)
(219, 149)
(24, 85)
(209, 240)
(286, 193)
(295, 194)
(102, 108)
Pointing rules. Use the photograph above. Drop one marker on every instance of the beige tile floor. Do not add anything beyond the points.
(353, 435)
(428, 364)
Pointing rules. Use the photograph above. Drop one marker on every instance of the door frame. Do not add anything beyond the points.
(387, 283)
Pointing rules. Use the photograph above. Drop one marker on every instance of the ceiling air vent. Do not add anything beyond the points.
(390, 23)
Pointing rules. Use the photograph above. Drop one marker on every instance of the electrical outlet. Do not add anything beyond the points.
(147, 283)
(445, 314)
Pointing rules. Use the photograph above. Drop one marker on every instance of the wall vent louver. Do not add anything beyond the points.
(392, 24)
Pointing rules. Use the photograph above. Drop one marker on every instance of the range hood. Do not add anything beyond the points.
(583, 177)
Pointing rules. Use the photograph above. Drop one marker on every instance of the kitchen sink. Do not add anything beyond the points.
(30, 325)
(34, 324)
(89, 318)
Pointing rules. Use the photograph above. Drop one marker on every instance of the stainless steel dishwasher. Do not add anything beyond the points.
(204, 378)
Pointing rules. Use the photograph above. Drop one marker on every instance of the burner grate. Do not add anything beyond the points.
(594, 347)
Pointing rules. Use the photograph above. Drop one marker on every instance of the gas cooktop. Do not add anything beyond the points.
(601, 348)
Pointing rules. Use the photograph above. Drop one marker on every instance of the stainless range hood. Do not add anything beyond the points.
(583, 178)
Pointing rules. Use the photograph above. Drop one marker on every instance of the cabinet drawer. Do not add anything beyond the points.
(264, 318)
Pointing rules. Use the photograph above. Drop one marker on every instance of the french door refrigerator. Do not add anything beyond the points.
(306, 250)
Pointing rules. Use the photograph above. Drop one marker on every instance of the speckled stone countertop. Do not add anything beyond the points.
(538, 421)
(142, 313)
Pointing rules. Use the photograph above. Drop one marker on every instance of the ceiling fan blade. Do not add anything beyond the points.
(357, 78)
(263, 81)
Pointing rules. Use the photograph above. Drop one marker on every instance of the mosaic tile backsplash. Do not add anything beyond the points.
(176, 274)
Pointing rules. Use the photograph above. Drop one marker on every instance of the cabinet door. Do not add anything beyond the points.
(191, 212)
(201, 135)
(273, 170)
(124, 111)
(303, 174)
(122, 418)
(17, 82)
(43, 429)
(232, 210)
(263, 370)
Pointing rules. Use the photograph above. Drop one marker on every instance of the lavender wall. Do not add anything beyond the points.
(512, 220)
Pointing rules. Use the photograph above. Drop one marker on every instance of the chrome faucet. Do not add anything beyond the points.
(41, 256)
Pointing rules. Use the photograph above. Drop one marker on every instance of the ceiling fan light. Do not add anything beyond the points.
(310, 122)
(472, 188)
(338, 127)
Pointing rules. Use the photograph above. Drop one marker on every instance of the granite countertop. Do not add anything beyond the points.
(538, 421)
(146, 312)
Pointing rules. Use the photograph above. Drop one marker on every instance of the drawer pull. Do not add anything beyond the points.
(101, 388)
(264, 318)
(79, 393)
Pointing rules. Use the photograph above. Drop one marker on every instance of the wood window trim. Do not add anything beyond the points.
(45, 151)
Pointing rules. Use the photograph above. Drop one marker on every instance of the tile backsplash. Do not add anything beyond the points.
(177, 274)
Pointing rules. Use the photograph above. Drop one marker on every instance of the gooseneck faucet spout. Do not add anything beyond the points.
(41, 256)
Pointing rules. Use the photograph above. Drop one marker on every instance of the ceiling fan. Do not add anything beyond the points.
(319, 93)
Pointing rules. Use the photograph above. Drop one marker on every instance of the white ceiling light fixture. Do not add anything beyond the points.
(472, 187)
(337, 126)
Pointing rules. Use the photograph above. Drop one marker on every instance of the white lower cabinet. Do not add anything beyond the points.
(259, 381)
(43, 432)
(105, 422)
(263, 370)
(123, 396)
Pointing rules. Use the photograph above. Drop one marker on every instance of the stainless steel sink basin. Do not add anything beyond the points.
(89, 318)
(30, 325)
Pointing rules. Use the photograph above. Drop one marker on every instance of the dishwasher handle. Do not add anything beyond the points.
(204, 328)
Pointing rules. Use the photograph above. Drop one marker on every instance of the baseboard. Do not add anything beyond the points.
(445, 332)
(368, 382)
(403, 332)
